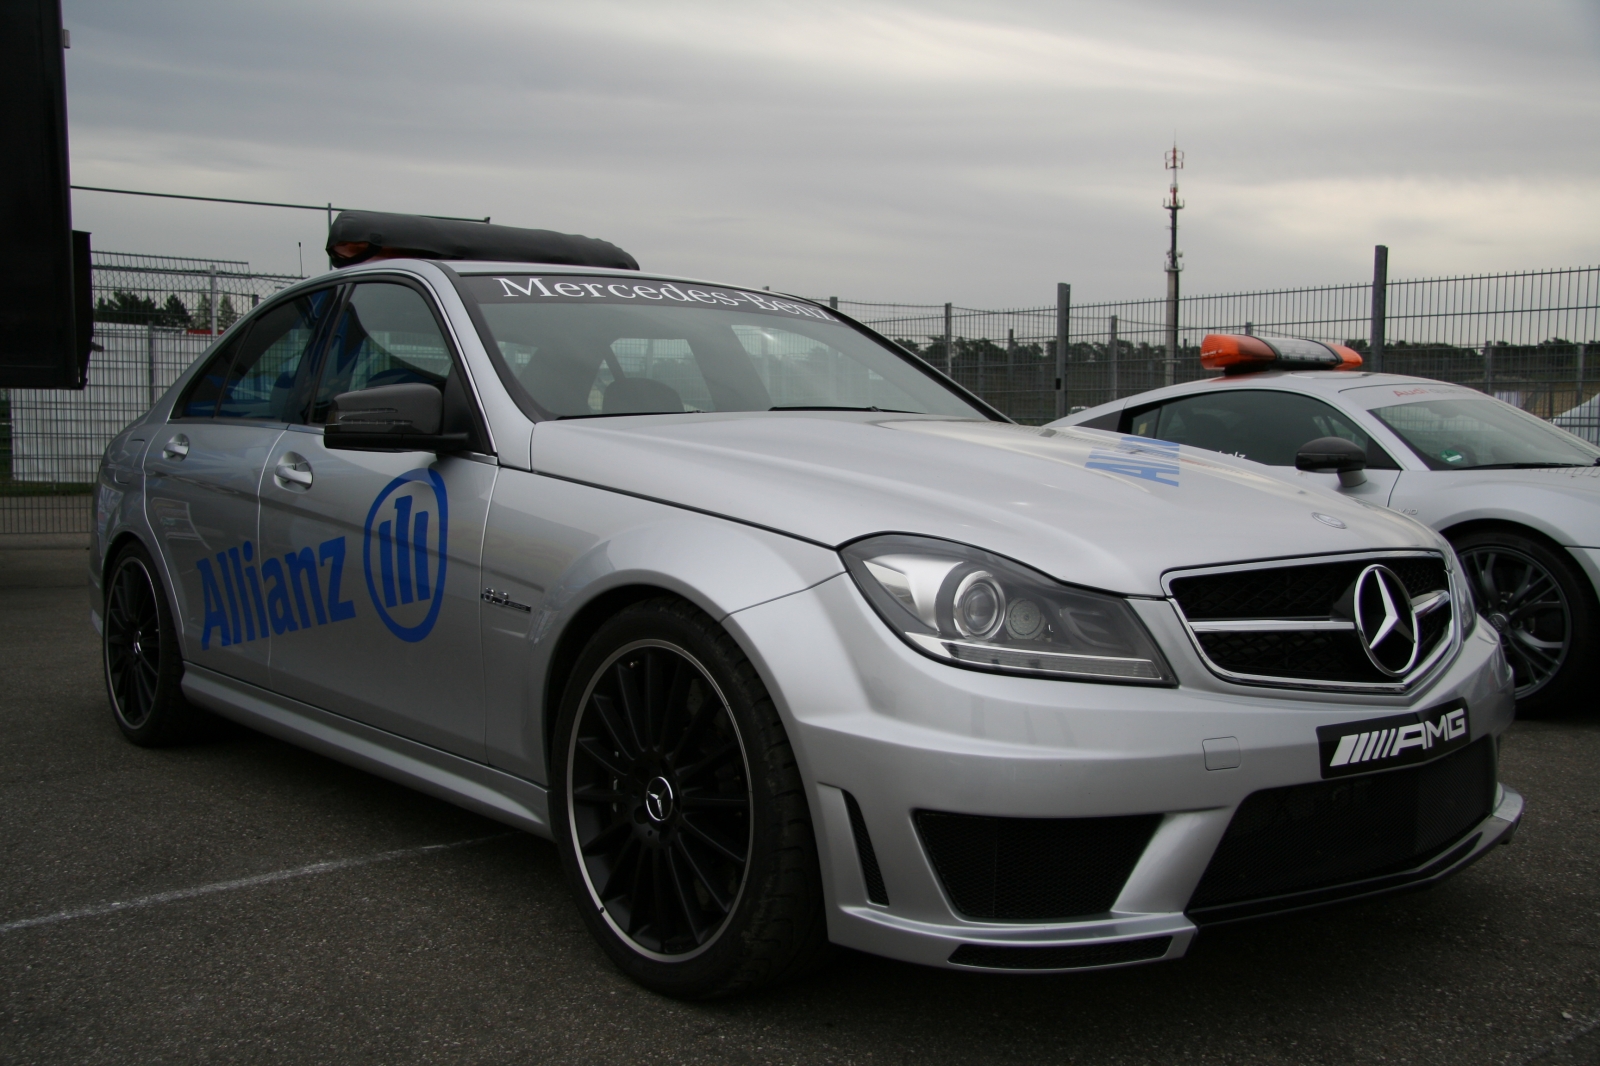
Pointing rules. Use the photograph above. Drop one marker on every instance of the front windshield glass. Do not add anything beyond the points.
(1477, 433)
(584, 347)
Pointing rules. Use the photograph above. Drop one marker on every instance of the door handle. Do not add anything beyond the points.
(176, 448)
(293, 472)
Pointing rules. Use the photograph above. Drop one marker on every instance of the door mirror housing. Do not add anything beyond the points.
(390, 418)
(1335, 455)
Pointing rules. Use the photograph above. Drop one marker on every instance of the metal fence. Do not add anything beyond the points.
(1528, 338)
(154, 315)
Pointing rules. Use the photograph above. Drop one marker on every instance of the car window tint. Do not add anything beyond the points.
(1460, 434)
(200, 398)
(583, 361)
(1265, 426)
(386, 335)
(266, 378)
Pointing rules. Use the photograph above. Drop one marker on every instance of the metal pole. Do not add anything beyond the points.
(1249, 329)
(331, 263)
(213, 299)
(1172, 327)
(1380, 304)
(1113, 353)
(1578, 377)
(833, 302)
(949, 341)
(1174, 163)
(150, 351)
(1063, 323)
(1488, 368)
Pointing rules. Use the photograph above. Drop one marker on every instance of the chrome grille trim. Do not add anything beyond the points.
(1424, 605)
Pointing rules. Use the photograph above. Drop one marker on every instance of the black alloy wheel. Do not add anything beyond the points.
(143, 663)
(659, 785)
(1538, 604)
(679, 811)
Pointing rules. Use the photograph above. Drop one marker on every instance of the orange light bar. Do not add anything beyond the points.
(1219, 351)
(1237, 353)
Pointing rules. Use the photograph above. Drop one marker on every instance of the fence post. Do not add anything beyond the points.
(1578, 376)
(150, 352)
(1113, 346)
(1380, 304)
(833, 302)
(949, 343)
(1063, 321)
(1488, 368)
(213, 300)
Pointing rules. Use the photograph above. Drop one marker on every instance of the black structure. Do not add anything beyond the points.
(42, 345)
(357, 236)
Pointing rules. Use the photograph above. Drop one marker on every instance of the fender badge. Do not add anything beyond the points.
(1327, 520)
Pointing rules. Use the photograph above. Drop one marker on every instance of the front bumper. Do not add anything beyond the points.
(877, 724)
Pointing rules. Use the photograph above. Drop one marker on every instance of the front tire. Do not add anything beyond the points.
(680, 812)
(143, 662)
(1543, 609)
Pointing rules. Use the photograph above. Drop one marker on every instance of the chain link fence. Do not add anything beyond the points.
(1528, 338)
(154, 316)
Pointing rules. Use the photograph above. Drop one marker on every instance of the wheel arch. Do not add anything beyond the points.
(1522, 529)
(575, 636)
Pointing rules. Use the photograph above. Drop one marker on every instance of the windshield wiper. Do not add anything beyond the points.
(1525, 466)
(834, 407)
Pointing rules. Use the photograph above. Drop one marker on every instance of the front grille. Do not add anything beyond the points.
(1292, 624)
(1033, 869)
(1067, 957)
(1306, 838)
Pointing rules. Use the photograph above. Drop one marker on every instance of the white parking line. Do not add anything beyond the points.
(332, 865)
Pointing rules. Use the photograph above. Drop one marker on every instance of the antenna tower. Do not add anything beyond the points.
(1172, 205)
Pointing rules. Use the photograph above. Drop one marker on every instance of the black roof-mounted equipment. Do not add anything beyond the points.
(357, 236)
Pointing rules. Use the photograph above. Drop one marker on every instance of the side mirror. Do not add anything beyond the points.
(1334, 454)
(390, 418)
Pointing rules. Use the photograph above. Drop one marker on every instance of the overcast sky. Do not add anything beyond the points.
(930, 151)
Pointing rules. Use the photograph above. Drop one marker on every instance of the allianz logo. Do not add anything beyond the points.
(242, 602)
(1391, 743)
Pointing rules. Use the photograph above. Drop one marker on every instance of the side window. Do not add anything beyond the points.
(267, 378)
(1266, 426)
(386, 335)
(200, 398)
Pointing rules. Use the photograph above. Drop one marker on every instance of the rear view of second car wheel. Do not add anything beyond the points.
(1543, 609)
(143, 663)
(680, 812)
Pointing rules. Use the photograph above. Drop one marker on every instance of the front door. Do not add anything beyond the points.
(376, 614)
(203, 475)
(1268, 426)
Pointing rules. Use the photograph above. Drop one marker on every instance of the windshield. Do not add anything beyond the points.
(1478, 433)
(584, 347)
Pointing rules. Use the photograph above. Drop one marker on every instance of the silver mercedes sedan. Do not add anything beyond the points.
(1517, 497)
(781, 637)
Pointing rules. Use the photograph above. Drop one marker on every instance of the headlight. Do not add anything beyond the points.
(965, 606)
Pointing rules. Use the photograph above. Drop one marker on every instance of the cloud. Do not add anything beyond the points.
(877, 150)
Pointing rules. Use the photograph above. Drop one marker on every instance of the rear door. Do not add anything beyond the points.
(375, 589)
(203, 475)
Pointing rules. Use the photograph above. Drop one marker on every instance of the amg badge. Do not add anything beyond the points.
(1397, 740)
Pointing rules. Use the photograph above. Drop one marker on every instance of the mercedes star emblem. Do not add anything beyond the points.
(658, 799)
(1385, 621)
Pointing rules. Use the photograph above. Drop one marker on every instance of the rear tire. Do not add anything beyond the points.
(680, 812)
(142, 659)
(1543, 608)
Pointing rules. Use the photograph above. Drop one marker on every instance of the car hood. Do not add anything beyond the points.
(1085, 506)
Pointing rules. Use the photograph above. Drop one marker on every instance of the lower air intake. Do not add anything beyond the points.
(1313, 837)
(1033, 869)
(1072, 957)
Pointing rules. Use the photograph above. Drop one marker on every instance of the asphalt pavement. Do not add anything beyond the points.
(240, 900)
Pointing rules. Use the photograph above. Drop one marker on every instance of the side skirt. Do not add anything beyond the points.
(479, 788)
